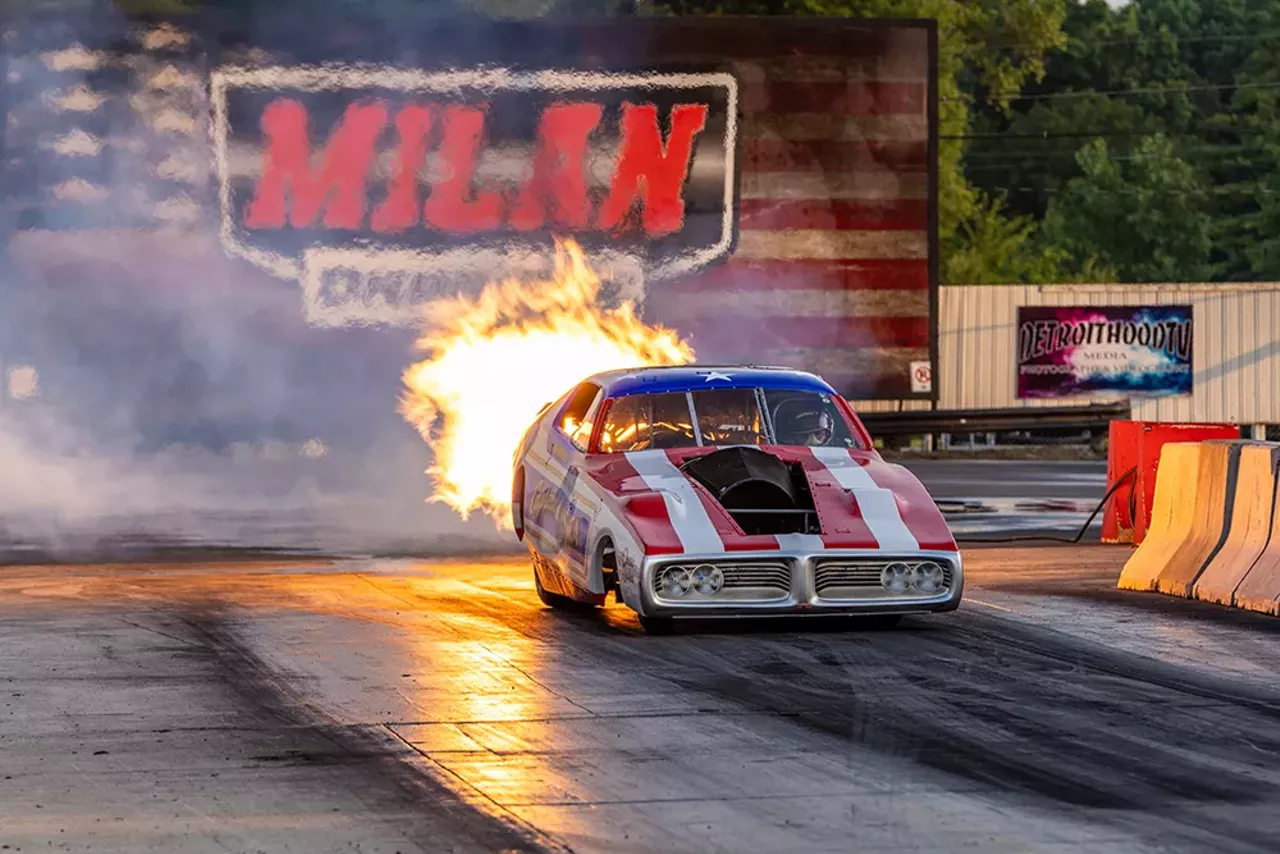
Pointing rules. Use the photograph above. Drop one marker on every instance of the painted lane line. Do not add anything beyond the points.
(968, 599)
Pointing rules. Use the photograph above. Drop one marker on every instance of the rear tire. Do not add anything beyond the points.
(658, 625)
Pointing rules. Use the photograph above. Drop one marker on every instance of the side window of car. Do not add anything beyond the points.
(577, 419)
(625, 429)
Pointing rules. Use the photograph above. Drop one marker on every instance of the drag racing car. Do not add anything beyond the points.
(724, 492)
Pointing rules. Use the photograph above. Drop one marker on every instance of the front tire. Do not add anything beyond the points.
(879, 622)
(556, 601)
(658, 625)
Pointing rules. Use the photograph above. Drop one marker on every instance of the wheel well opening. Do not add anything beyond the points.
(608, 563)
(517, 502)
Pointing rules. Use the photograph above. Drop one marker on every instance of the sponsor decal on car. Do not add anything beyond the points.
(557, 512)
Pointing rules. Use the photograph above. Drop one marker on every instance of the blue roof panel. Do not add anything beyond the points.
(696, 377)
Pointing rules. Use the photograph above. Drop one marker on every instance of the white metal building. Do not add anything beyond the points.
(1236, 350)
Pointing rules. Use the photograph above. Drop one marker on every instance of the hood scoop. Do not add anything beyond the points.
(763, 494)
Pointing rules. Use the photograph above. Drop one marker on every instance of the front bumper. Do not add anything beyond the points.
(807, 588)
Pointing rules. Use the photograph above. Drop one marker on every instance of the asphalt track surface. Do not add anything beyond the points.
(1004, 480)
(983, 499)
(380, 706)
(986, 499)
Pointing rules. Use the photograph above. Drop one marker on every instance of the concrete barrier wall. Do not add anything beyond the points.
(1215, 489)
(1260, 588)
(1249, 529)
(1214, 533)
(1172, 513)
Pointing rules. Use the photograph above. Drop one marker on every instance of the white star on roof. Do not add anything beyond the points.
(716, 375)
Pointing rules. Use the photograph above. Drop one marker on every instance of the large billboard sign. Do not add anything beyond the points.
(222, 228)
(1131, 351)
(766, 187)
(381, 189)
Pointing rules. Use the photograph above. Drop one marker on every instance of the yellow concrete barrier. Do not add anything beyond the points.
(1260, 588)
(1172, 512)
(1250, 526)
(1211, 517)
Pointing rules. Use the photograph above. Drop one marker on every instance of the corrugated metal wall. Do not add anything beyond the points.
(1236, 359)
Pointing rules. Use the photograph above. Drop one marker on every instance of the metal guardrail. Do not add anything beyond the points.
(922, 422)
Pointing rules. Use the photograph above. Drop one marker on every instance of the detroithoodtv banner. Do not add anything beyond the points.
(1137, 351)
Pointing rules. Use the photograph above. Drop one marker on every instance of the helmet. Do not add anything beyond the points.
(810, 427)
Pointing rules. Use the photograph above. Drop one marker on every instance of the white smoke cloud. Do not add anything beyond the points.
(156, 390)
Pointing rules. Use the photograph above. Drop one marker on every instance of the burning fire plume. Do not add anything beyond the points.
(496, 360)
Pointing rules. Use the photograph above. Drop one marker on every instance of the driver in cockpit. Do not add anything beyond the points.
(808, 427)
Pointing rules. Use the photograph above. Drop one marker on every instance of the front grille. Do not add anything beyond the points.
(743, 580)
(775, 576)
(861, 576)
(851, 574)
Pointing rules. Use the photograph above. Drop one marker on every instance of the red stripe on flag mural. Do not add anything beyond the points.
(721, 37)
(865, 386)
(762, 154)
(851, 98)
(809, 275)
(733, 335)
(833, 215)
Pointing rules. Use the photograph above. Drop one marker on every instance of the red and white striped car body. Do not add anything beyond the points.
(650, 524)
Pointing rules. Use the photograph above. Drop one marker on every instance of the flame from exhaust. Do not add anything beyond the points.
(496, 360)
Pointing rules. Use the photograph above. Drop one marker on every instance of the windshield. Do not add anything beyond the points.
(731, 416)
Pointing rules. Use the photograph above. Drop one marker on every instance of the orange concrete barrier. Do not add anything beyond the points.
(1172, 513)
(1137, 444)
(1250, 526)
(1212, 508)
(1123, 441)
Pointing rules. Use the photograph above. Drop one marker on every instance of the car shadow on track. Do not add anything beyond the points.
(620, 619)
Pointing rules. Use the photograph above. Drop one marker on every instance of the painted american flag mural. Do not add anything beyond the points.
(833, 270)
(106, 128)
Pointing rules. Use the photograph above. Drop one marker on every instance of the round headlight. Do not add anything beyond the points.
(897, 577)
(707, 579)
(930, 577)
(676, 581)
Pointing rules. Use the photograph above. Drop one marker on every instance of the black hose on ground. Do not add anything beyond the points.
(1133, 504)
